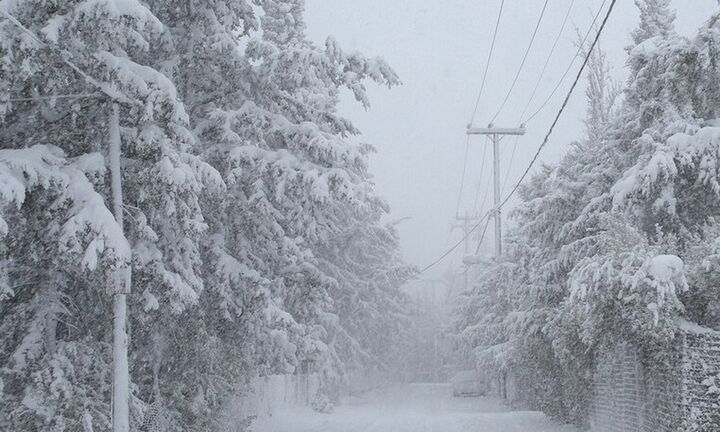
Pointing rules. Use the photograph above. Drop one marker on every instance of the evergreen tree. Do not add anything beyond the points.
(295, 177)
(252, 220)
(604, 238)
(101, 48)
(656, 19)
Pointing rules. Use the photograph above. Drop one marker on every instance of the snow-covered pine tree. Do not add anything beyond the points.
(372, 311)
(293, 174)
(105, 51)
(637, 215)
(656, 19)
(53, 220)
(672, 184)
(240, 179)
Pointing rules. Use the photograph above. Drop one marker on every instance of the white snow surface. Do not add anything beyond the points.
(665, 267)
(411, 408)
(692, 327)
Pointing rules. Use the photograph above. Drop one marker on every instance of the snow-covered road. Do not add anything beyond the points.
(412, 408)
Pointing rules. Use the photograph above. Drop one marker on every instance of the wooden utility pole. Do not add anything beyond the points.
(118, 285)
(496, 134)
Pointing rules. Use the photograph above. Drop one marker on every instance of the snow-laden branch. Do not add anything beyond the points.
(89, 229)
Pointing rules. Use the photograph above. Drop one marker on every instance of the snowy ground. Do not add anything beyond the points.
(412, 408)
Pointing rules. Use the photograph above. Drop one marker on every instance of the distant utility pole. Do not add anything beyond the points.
(433, 291)
(465, 223)
(496, 134)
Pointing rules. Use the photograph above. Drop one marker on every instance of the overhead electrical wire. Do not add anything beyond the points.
(542, 145)
(569, 67)
(482, 236)
(564, 104)
(477, 104)
(537, 86)
(455, 246)
(487, 63)
(482, 204)
(547, 61)
(512, 159)
(482, 171)
(462, 178)
(562, 79)
(522, 63)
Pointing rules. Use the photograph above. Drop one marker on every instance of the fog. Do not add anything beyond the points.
(439, 50)
(194, 236)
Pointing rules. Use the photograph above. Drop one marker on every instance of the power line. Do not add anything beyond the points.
(487, 223)
(569, 67)
(477, 104)
(482, 206)
(537, 86)
(547, 61)
(487, 63)
(485, 217)
(477, 191)
(512, 158)
(482, 236)
(462, 179)
(564, 104)
(455, 246)
(482, 203)
(522, 63)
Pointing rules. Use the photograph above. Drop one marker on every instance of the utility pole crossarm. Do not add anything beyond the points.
(467, 221)
(496, 131)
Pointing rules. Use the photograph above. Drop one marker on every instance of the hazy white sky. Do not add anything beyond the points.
(439, 50)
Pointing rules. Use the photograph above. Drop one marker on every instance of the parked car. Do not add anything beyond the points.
(467, 383)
